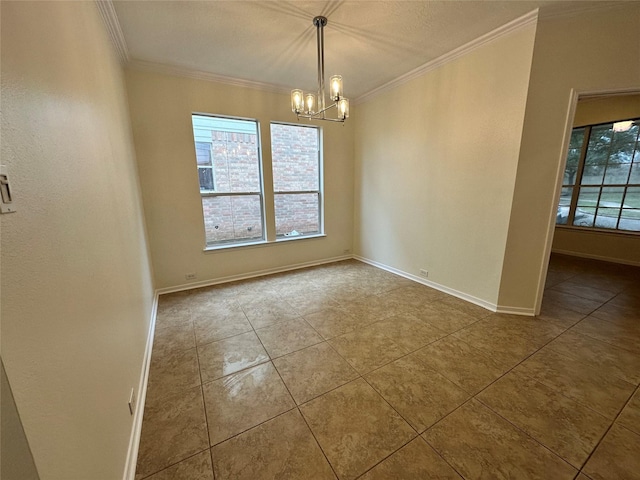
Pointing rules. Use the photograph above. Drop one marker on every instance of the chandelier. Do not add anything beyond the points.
(313, 106)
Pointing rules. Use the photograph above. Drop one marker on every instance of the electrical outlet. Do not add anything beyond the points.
(132, 401)
(424, 273)
(346, 251)
(190, 276)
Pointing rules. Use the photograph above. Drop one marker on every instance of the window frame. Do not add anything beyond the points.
(319, 192)
(224, 244)
(578, 185)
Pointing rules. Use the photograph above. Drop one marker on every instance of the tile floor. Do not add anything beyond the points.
(347, 371)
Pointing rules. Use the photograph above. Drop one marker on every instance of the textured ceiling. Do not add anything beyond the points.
(274, 42)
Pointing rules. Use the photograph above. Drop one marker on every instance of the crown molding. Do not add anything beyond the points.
(521, 22)
(178, 71)
(110, 19)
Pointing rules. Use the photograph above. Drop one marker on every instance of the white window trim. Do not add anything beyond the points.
(260, 194)
(319, 192)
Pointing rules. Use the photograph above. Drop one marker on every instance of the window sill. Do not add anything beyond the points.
(298, 237)
(260, 243)
(599, 231)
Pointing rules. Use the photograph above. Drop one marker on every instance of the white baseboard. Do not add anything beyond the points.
(245, 276)
(136, 430)
(450, 291)
(527, 312)
(596, 257)
(429, 283)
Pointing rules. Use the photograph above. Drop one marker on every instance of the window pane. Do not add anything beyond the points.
(577, 137)
(294, 153)
(632, 198)
(630, 219)
(206, 179)
(609, 207)
(597, 154)
(203, 153)
(630, 216)
(634, 178)
(607, 217)
(593, 173)
(617, 173)
(232, 219)
(611, 197)
(573, 156)
(600, 143)
(234, 152)
(586, 209)
(563, 206)
(297, 214)
(623, 145)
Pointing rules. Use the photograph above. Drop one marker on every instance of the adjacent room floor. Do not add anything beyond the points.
(348, 371)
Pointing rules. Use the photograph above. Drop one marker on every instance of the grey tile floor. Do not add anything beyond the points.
(347, 371)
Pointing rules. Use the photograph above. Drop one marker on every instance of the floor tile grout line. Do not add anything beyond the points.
(477, 393)
(324, 454)
(584, 404)
(613, 294)
(520, 429)
(604, 341)
(494, 381)
(235, 435)
(297, 407)
(204, 405)
(524, 360)
(539, 442)
(418, 434)
(360, 376)
(597, 340)
(613, 422)
(417, 438)
(175, 463)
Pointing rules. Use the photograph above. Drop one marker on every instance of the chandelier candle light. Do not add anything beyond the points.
(308, 106)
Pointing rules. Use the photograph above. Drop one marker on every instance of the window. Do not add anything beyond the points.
(601, 186)
(205, 166)
(229, 170)
(297, 179)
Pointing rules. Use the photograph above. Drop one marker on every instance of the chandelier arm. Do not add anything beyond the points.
(333, 105)
(320, 115)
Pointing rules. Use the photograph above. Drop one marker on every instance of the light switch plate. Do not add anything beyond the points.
(6, 193)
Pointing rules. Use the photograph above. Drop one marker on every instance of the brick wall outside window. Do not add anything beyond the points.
(235, 160)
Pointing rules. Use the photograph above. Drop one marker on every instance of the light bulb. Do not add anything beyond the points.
(297, 102)
(310, 101)
(343, 108)
(336, 87)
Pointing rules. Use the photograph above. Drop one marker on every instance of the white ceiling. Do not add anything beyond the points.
(369, 43)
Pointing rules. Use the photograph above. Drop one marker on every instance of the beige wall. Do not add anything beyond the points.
(161, 107)
(77, 291)
(601, 245)
(610, 108)
(595, 51)
(15, 454)
(435, 166)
